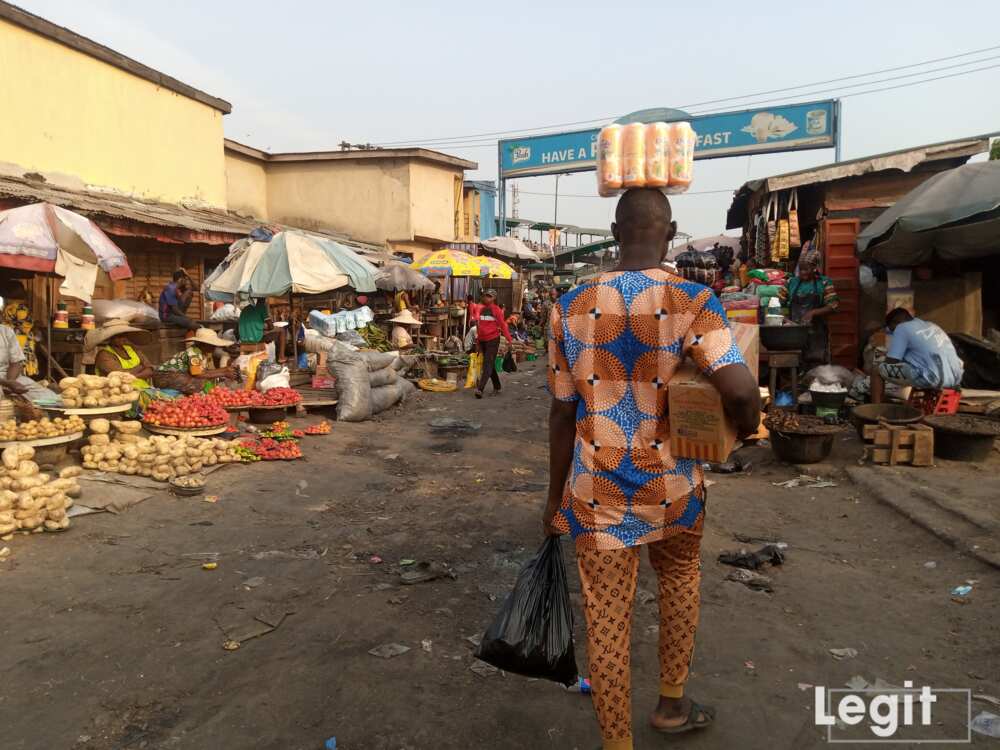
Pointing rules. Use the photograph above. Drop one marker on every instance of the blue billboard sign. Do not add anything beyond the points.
(791, 127)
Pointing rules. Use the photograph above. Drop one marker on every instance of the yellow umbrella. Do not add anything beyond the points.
(449, 263)
(496, 268)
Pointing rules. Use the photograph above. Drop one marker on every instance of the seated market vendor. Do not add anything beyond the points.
(400, 336)
(811, 297)
(256, 326)
(11, 362)
(191, 370)
(920, 354)
(116, 343)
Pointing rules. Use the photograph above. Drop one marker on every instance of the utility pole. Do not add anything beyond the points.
(555, 226)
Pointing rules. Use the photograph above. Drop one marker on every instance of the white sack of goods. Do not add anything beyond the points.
(645, 155)
(32, 501)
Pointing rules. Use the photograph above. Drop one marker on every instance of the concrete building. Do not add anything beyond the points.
(412, 200)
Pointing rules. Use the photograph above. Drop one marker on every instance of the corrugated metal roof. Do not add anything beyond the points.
(204, 221)
(903, 160)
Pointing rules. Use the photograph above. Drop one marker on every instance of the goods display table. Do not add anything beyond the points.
(49, 450)
(185, 431)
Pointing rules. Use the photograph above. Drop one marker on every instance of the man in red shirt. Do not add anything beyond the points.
(490, 325)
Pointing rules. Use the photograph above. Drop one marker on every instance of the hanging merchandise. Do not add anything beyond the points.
(772, 226)
(794, 238)
(782, 239)
(655, 155)
(760, 239)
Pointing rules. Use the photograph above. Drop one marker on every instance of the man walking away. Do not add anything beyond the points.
(490, 325)
(614, 485)
(175, 300)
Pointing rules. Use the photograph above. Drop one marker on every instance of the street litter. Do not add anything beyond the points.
(986, 698)
(522, 472)
(426, 645)
(961, 590)
(749, 664)
(483, 669)
(406, 561)
(423, 572)
(300, 486)
(986, 724)
(844, 653)
(930, 565)
(582, 686)
(4, 553)
(209, 566)
(736, 466)
(375, 560)
(804, 480)
(769, 553)
(804, 686)
(330, 744)
(454, 425)
(252, 583)
(211, 498)
(231, 645)
(751, 579)
(389, 650)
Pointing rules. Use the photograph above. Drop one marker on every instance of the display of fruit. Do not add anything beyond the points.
(187, 412)
(37, 429)
(322, 428)
(269, 449)
(162, 457)
(282, 431)
(274, 398)
(191, 481)
(97, 391)
(31, 501)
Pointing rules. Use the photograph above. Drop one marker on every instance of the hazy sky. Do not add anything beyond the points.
(304, 75)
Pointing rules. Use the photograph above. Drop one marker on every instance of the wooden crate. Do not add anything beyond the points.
(899, 444)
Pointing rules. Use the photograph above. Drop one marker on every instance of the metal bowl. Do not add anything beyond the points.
(784, 338)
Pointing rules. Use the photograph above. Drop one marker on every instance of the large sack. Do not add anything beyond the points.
(385, 376)
(378, 360)
(354, 401)
(131, 311)
(388, 395)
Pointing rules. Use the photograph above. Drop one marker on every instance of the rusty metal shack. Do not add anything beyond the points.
(835, 202)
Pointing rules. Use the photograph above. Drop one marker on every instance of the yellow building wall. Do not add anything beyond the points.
(246, 185)
(368, 199)
(68, 113)
(433, 200)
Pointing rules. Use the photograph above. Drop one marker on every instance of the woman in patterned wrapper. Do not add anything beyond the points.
(614, 484)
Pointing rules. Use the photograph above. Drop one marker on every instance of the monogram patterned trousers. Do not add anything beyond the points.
(608, 579)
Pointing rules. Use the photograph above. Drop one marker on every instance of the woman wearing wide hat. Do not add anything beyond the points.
(400, 336)
(192, 369)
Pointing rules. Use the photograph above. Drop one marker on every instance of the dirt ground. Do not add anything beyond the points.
(113, 633)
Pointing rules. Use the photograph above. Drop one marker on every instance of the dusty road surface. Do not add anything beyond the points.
(113, 633)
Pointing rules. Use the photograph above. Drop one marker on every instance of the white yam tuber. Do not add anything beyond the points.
(100, 426)
(69, 472)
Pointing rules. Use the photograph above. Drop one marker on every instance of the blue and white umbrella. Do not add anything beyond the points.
(291, 261)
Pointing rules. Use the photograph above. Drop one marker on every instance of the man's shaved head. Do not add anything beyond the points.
(643, 224)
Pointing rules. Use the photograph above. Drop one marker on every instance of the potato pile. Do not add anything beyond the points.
(93, 391)
(40, 428)
(31, 501)
(161, 457)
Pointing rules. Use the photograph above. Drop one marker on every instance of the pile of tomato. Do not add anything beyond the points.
(274, 398)
(322, 428)
(187, 412)
(268, 449)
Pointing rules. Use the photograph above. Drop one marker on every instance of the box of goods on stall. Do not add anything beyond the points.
(699, 427)
(899, 298)
(746, 316)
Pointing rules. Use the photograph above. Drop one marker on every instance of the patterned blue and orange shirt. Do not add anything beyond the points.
(614, 345)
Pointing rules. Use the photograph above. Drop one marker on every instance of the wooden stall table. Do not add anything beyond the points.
(90, 414)
(67, 350)
(48, 451)
(782, 360)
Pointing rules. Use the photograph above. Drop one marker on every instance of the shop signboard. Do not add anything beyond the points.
(790, 127)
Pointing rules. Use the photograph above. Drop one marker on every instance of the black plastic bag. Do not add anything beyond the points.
(509, 365)
(532, 634)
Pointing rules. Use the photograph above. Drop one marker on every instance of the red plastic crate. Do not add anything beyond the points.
(936, 402)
